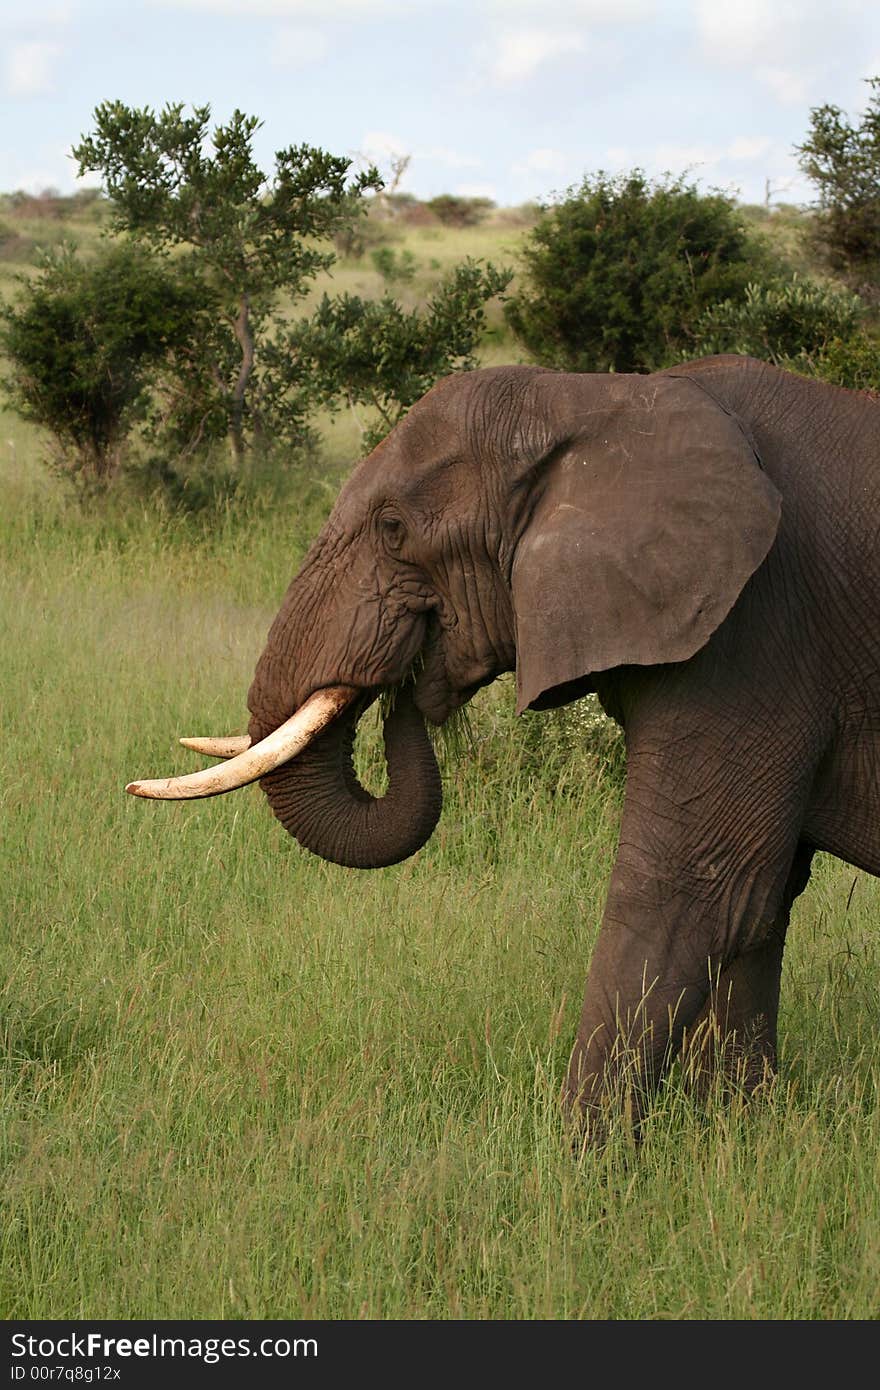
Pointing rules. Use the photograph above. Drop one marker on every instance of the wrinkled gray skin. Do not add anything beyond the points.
(701, 548)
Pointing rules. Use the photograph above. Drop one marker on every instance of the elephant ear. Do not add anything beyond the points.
(652, 513)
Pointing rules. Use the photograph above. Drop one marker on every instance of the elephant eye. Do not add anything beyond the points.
(393, 532)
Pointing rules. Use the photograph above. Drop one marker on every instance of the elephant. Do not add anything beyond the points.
(700, 547)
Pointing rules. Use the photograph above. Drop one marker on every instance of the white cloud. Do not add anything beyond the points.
(583, 11)
(715, 165)
(790, 47)
(476, 190)
(748, 147)
(441, 154)
(382, 146)
(579, 11)
(28, 68)
(542, 161)
(521, 51)
(678, 157)
(300, 9)
(298, 48)
(32, 180)
(697, 160)
(741, 32)
(38, 14)
(791, 88)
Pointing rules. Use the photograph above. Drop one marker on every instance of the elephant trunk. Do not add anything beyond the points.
(319, 801)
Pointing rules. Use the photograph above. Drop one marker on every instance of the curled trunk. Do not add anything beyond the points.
(319, 801)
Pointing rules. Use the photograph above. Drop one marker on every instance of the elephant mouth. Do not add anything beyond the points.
(439, 706)
(435, 694)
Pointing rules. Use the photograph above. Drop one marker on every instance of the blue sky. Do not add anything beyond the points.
(511, 99)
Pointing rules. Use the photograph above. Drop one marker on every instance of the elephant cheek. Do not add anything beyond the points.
(379, 650)
(434, 697)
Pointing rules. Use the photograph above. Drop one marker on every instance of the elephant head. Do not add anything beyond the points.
(560, 524)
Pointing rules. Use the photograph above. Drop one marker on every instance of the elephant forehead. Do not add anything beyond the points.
(426, 468)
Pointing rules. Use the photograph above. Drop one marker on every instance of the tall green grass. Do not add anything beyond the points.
(239, 1082)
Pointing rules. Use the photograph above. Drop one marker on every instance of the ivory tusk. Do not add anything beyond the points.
(218, 747)
(290, 738)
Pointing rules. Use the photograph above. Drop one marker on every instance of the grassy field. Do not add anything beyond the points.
(239, 1082)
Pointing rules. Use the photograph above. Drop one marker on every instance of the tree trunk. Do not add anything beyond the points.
(242, 328)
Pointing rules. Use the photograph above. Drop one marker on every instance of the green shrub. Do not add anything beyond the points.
(813, 329)
(394, 268)
(82, 344)
(852, 362)
(372, 228)
(617, 273)
(454, 211)
(780, 321)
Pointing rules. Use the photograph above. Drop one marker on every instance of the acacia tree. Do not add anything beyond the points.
(376, 354)
(240, 235)
(843, 161)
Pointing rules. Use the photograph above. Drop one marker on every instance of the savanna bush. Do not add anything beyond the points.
(455, 211)
(393, 267)
(81, 343)
(852, 362)
(616, 275)
(780, 321)
(240, 234)
(14, 246)
(816, 329)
